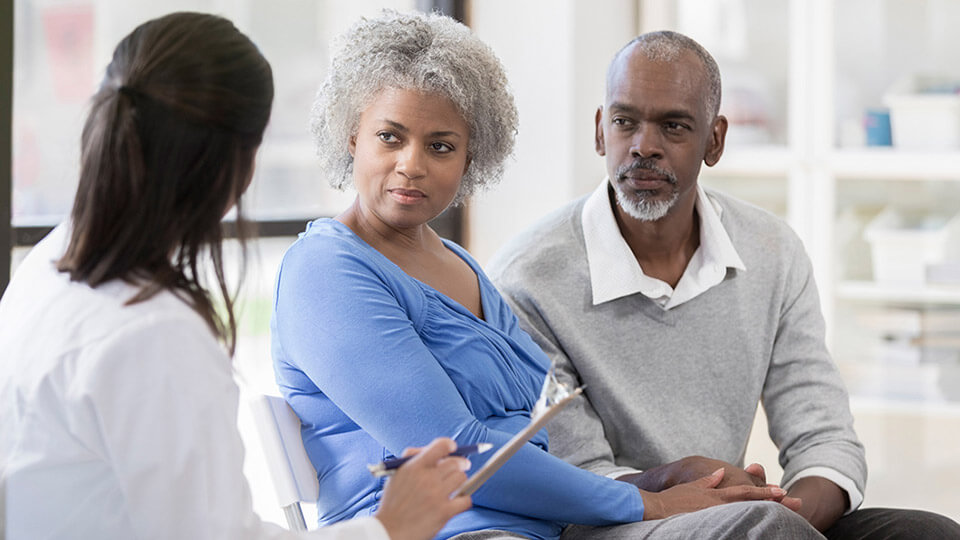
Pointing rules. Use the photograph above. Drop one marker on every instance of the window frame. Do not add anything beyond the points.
(6, 141)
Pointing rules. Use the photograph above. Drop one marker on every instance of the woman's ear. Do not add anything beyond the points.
(352, 145)
(718, 135)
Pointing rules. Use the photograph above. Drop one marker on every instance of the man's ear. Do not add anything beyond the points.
(718, 134)
(598, 134)
(352, 145)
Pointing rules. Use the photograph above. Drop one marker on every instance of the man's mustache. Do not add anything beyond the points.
(645, 164)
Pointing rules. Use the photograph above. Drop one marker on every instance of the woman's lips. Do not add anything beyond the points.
(407, 196)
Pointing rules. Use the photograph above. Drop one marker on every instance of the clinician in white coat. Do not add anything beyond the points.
(118, 409)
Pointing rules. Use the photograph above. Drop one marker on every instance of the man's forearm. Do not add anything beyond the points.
(823, 501)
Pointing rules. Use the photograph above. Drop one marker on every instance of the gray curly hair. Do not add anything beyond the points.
(416, 51)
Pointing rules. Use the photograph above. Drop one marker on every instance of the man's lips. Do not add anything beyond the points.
(644, 180)
(645, 176)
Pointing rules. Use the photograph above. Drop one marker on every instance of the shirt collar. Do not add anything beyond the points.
(614, 271)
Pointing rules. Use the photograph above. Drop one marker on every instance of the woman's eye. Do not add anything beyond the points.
(387, 137)
(441, 148)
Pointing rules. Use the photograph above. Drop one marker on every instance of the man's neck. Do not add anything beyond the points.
(664, 247)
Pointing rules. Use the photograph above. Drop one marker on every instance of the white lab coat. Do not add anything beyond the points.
(119, 421)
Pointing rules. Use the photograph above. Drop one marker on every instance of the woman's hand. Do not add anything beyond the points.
(416, 503)
(704, 493)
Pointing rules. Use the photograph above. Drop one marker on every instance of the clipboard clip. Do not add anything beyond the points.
(552, 392)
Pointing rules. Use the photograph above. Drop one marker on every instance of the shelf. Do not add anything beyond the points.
(910, 294)
(752, 162)
(892, 164)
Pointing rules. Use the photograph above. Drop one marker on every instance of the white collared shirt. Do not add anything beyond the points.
(615, 272)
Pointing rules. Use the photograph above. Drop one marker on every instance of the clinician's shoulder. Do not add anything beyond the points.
(165, 328)
(45, 315)
(541, 249)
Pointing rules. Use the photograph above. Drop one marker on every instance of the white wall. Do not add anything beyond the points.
(556, 54)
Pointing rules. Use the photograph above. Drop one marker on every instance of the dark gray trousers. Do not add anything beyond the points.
(734, 521)
(893, 524)
(771, 520)
(748, 520)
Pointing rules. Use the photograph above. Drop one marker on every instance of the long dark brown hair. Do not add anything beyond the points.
(168, 146)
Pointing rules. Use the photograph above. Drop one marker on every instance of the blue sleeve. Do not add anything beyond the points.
(353, 331)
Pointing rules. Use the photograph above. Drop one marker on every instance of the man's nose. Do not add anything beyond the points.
(646, 142)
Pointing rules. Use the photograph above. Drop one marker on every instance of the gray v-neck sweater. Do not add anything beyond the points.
(662, 385)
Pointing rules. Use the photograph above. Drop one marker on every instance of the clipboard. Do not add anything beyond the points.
(507, 451)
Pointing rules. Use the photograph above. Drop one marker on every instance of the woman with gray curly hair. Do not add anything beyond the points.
(385, 335)
(431, 54)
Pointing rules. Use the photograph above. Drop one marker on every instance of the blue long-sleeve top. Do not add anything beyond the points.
(374, 361)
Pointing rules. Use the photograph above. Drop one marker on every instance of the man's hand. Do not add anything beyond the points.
(693, 468)
(703, 493)
(824, 501)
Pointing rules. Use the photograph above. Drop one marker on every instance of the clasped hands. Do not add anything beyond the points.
(696, 482)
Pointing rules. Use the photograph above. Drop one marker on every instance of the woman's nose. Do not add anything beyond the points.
(411, 162)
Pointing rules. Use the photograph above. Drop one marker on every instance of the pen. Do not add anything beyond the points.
(390, 466)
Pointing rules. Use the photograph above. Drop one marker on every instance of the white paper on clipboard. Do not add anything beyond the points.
(542, 414)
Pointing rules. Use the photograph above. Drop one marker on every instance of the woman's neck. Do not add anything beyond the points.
(386, 238)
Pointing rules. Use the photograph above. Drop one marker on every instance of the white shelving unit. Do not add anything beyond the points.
(811, 179)
(870, 291)
(881, 163)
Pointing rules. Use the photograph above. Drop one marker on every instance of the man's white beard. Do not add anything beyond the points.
(642, 208)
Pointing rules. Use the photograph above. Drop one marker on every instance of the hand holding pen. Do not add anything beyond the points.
(416, 501)
(390, 466)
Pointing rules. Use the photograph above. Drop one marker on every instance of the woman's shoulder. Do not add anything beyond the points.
(325, 234)
(326, 245)
(330, 262)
